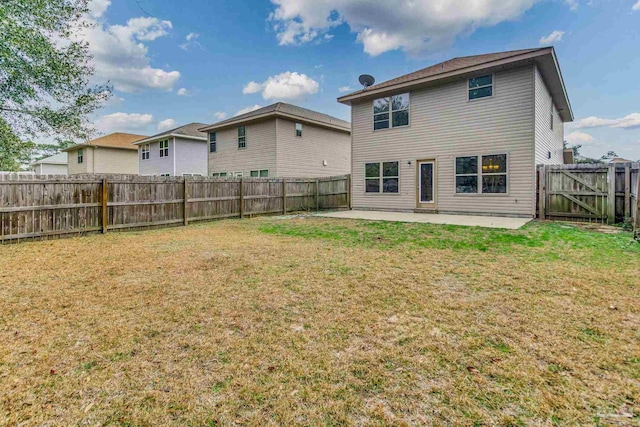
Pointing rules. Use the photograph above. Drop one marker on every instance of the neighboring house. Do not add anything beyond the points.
(110, 154)
(280, 140)
(52, 165)
(177, 152)
(620, 160)
(462, 136)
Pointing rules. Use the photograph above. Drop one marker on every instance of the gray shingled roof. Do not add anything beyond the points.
(448, 66)
(187, 130)
(284, 108)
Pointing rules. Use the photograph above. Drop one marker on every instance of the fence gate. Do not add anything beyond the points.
(587, 192)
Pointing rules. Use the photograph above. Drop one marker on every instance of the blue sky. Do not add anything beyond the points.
(175, 62)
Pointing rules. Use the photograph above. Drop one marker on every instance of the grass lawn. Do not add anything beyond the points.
(315, 321)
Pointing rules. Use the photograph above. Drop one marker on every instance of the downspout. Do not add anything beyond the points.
(174, 156)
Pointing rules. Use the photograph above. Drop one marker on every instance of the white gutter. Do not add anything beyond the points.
(171, 135)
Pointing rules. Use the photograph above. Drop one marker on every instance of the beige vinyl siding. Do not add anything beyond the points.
(115, 160)
(86, 166)
(304, 156)
(547, 140)
(259, 154)
(444, 124)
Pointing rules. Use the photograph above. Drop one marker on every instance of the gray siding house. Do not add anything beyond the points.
(462, 136)
(52, 165)
(280, 140)
(177, 152)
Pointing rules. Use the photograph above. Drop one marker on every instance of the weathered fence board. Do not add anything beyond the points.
(588, 192)
(51, 206)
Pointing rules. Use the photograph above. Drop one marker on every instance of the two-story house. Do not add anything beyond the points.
(110, 154)
(280, 140)
(176, 152)
(462, 136)
(52, 165)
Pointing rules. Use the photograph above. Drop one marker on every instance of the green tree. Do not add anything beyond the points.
(44, 76)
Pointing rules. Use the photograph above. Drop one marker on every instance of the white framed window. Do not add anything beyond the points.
(391, 111)
(164, 148)
(145, 152)
(382, 177)
(298, 129)
(212, 142)
(80, 156)
(165, 174)
(481, 174)
(238, 174)
(242, 137)
(480, 87)
(219, 174)
(262, 173)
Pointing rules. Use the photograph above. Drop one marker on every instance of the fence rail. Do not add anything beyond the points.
(600, 192)
(56, 206)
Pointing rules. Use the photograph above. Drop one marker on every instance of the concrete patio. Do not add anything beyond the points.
(468, 220)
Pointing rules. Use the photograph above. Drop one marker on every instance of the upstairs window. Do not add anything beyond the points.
(80, 156)
(391, 111)
(481, 87)
(298, 129)
(242, 137)
(164, 148)
(145, 152)
(381, 177)
(212, 142)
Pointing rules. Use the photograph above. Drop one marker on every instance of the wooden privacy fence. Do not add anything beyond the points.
(600, 192)
(51, 206)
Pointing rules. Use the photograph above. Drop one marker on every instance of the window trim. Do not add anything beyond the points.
(238, 174)
(146, 150)
(296, 130)
(259, 172)
(493, 88)
(373, 114)
(381, 177)
(480, 174)
(80, 157)
(244, 142)
(219, 174)
(552, 114)
(164, 151)
(213, 144)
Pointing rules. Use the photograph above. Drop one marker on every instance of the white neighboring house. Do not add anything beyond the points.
(177, 152)
(52, 165)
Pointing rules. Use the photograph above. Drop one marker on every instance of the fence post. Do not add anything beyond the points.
(241, 197)
(105, 208)
(284, 196)
(317, 195)
(611, 196)
(627, 190)
(186, 202)
(541, 191)
(349, 191)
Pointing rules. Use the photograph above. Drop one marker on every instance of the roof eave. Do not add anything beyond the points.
(274, 114)
(171, 135)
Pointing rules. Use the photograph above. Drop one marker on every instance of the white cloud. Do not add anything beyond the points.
(578, 138)
(630, 121)
(383, 25)
(636, 6)
(220, 115)
(98, 7)
(286, 85)
(573, 4)
(555, 36)
(183, 92)
(119, 53)
(191, 40)
(122, 122)
(248, 109)
(343, 89)
(166, 125)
